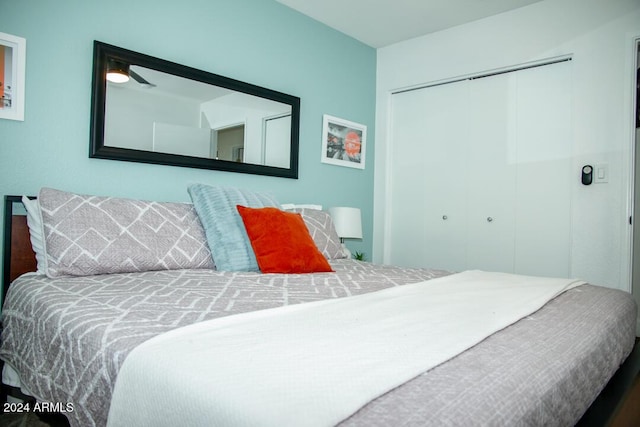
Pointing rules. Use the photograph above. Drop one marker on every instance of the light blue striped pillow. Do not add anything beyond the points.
(226, 235)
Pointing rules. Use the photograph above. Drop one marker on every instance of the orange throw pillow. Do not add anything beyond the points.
(281, 241)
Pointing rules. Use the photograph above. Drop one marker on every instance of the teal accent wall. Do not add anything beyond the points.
(258, 41)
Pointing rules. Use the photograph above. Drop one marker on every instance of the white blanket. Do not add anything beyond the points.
(316, 364)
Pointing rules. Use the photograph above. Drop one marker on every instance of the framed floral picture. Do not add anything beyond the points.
(12, 76)
(343, 142)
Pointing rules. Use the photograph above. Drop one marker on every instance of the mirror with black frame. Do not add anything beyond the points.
(146, 109)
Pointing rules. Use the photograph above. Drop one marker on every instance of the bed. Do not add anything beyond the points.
(66, 338)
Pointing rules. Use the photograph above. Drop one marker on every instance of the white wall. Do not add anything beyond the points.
(600, 36)
(131, 114)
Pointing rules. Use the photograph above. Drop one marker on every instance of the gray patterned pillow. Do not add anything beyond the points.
(324, 234)
(87, 235)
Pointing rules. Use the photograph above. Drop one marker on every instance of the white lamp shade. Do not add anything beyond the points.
(347, 221)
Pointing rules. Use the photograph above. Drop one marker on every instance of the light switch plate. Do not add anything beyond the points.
(601, 173)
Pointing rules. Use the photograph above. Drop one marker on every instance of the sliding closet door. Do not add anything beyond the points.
(492, 173)
(544, 170)
(480, 174)
(427, 209)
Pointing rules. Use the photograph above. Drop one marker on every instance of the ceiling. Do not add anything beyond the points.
(379, 23)
(170, 84)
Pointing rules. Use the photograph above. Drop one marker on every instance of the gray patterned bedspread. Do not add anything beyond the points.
(68, 338)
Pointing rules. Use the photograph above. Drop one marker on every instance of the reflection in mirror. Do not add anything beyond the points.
(156, 111)
(230, 144)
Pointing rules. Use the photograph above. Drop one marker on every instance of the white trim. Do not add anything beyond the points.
(633, 47)
(388, 177)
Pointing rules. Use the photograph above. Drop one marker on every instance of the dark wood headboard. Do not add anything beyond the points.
(18, 254)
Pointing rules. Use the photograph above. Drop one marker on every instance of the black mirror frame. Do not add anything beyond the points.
(97, 149)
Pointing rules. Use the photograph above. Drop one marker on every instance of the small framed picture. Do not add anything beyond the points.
(12, 76)
(343, 142)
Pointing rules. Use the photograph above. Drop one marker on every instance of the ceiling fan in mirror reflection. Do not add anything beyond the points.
(119, 72)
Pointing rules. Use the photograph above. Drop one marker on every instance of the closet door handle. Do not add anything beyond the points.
(489, 219)
(444, 217)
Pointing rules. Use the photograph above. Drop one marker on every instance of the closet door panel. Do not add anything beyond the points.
(543, 228)
(427, 188)
(492, 173)
(405, 214)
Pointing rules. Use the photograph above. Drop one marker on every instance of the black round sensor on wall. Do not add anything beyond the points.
(587, 174)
